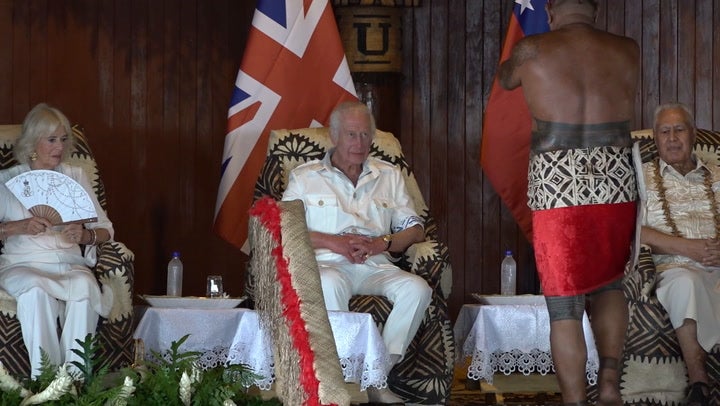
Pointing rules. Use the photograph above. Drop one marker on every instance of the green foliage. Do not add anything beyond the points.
(47, 373)
(156, 383)
(161, 383)
(88, 353)
(10, 398)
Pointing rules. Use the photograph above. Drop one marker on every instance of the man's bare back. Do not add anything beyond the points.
(579, 83)
(575, 73)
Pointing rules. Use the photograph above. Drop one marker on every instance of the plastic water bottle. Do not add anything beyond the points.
(508, 272)
(174, 275)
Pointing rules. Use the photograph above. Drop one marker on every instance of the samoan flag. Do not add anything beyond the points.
(505, 147)
(293, 73)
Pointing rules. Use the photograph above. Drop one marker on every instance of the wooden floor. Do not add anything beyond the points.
(514, 389)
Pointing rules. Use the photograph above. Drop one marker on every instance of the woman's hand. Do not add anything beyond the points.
(72, 233)
(30, 226)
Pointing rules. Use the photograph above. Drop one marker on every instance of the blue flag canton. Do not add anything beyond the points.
(275, 9)
(238, 95)
(532, 20)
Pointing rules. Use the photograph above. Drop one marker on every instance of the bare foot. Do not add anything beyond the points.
(608, 384)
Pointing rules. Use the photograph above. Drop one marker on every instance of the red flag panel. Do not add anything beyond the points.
(505, 147)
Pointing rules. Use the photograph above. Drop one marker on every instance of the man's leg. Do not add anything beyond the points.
(410, 295)
(609, 320)
(693, 354)
(336, 288)
(684, 295)
(567, 344)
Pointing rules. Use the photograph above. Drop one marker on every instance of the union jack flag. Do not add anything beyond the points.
(292, 75)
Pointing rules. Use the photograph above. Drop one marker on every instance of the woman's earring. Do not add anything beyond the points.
(33, 156)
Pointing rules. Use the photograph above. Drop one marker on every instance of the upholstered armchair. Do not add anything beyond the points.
(114, 270)
(654, 372)
(425, 374)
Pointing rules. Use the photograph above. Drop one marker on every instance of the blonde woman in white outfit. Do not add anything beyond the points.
(681, 222)
(42, 265)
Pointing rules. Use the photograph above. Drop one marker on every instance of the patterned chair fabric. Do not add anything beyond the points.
(114, 270)
(654, 372)
(425, 374)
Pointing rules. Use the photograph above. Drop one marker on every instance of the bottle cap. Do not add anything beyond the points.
(508, 253)
(176, 254)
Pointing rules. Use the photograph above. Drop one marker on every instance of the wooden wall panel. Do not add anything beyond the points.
(150, 81)
(702, 61)
(633, 14)
(715, 49)
(466, 231)
(436, 154)
(6, 58)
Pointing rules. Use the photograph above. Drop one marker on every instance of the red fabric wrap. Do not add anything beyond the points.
(579, 249)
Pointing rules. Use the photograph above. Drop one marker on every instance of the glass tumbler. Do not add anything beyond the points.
(214, 286)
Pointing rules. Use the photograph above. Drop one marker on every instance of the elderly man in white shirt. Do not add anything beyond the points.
(681, 223)
(357, 210)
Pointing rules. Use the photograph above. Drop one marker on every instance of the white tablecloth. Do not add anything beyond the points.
(510, 338)
(234, 336)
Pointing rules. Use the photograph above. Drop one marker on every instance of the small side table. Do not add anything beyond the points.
(513, 336)
(235, 336)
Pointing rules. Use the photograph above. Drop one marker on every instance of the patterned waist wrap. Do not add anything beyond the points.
(582, 191)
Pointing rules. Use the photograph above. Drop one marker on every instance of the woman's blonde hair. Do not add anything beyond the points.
(40, 122)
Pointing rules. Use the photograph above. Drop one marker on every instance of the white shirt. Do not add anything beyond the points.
(688, 203)
(379, 204)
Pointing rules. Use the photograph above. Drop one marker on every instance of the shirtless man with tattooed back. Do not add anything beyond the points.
(579, 83)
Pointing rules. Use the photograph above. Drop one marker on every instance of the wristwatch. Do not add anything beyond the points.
(388, 241)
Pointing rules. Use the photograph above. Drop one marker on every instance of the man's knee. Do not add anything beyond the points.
(418, 288)
(616, 285)
(680, 291)
(336, 289)
(684, 279)
(565, 307)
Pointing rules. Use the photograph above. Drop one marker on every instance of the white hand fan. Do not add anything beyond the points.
(54, 196)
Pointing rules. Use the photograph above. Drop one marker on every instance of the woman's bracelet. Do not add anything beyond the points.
(93, 236)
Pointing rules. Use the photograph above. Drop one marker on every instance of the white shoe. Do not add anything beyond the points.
(384, 395)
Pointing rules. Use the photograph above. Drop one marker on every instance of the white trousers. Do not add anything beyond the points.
(39, 314)
(409, 293)
(692, 294)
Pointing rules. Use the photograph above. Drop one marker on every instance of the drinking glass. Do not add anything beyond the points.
(214, 286)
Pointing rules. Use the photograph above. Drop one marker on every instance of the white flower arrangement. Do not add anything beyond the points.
(174, 380)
